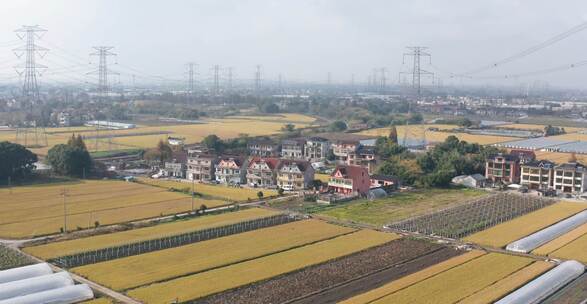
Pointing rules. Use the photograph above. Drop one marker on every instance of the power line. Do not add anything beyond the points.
(417, 72)
(103, 52)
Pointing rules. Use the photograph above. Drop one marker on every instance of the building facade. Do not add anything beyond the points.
(349, 180)
(570, 178)
(231, 170)
(537, 175)
(293, 148)
(503, 168)
(316, 149)
(263, 148)
(342, 149)
(261, 172)
(200, 165)
(293, 175)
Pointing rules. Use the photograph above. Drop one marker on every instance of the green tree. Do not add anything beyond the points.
(213, 142)
(393, 134)
(288, 128)
(260, 194)
(69, 160)
(16, 161)
(77, 141)
(338, 126)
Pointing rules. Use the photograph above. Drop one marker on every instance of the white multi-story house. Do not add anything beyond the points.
(570, 178)
(537, 175)
(292, 148)
(294, 175)
(200, 165)
(231, 170)
(316, 149)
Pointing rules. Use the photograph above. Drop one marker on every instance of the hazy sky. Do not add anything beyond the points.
(302, 39)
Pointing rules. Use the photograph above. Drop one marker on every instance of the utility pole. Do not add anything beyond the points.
(417, 72)
(64, 194)
(257, 78)
(31, 99)
(103, 87)
(193, 186)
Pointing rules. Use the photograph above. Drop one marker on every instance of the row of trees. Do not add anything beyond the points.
(16, 161)
(71, 159)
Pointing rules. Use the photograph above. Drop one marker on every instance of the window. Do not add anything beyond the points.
(559, 180)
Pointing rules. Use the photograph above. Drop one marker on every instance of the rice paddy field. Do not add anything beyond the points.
(479, 277)
(62, 248)
(417, 131)
(505, 233)
(134, 271)
(213, 191)
(570, 246)
(224, 278)
(536, 127)
(28, 211)
(224, 128)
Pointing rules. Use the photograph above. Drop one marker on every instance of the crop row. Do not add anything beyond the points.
(10, 258)
(480, 214)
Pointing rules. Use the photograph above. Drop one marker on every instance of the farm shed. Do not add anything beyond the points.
(471, 181)
(545, 285)
(548, 234)
(25, 272)
(34, 285)
(573, 147)
(532, 143)
(64, 295)
(376, 193)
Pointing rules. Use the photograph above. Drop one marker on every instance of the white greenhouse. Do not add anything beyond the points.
(545, 285)
(64, 295)
(21, 273)
(548, 234)
(33, 285)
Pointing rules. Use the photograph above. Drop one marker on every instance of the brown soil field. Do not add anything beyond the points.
(341, 278)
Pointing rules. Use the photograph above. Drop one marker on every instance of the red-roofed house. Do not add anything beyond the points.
(294, 175)
(261, 172)
(349, 180)
(231, 170)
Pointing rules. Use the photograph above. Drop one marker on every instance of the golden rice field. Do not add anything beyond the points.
(139, 270)
(412, 279)
(537, 127)
(285, 117)
(417, 131)
(217, 191)
(505, 233)
(559, 157)
(28, 211)
(99, 301)
(561, 241)
(461, 281)
(499, 289)
(224, 128)
(224, 278)
(575, 250)
(57, 249)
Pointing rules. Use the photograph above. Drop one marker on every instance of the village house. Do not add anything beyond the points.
(525, 156)
(263, 148)
(364, 156)
(231, 170)
(378, 181)
(292, 148)
(570, 178)
(200, 165)
(537, 175)
(316, 149)
(343, 148)
(176, 167)
(293, 175)
(503, 168)
(261, 172)
(349, 180)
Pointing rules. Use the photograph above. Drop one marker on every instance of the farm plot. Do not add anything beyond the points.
(575, 250)
(215, 191)
(399, 206)
(366, 269)
(63, 248)
(10, 258)
(29, 211)
(460, 221)
(505, 233)
(575, 292)
(213, 281)
(166, 264)
(459, 282)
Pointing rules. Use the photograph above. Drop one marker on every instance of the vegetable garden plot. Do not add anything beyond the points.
(10, 258)
(480, 214)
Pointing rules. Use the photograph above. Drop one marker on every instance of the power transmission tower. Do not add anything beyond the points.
(103, 88)
(230, 76)
(258, 78)
(382, 80)
(30, 89)
(216, 87)
(191, 78)
(417, 72)
(280, 82)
